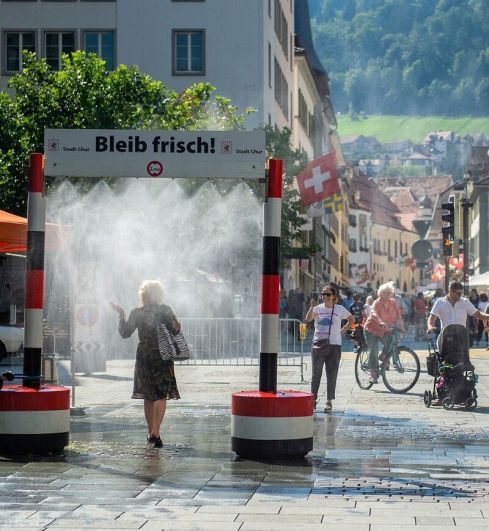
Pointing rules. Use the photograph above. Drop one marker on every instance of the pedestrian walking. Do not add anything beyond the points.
(326, 342)
(473, 322)
(420, 317)
(356, 309)
(454, 309)
(154, 379)
(367, 308)
(480, 325)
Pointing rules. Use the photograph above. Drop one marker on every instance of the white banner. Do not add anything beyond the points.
(127, 153)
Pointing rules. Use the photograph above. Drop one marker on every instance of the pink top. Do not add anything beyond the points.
(382, 312)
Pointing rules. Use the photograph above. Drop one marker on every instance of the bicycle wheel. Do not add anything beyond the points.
(402, 374)
(362, 373)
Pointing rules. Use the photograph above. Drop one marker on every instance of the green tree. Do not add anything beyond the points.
(85, 95)
(293, 214)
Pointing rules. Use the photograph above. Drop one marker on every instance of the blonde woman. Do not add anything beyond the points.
(154, 379)
(381, 325)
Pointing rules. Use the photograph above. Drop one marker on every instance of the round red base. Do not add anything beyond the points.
(272, 425)
(34, 420)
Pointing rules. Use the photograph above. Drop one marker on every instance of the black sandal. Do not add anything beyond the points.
(151, 439)
(158, 443)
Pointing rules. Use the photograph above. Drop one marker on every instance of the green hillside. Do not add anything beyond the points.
(391, 128)
(413, 57)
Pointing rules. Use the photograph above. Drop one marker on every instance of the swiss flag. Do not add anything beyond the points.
(319, 179)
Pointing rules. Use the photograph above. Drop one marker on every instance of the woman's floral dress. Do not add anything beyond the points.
(154, 379)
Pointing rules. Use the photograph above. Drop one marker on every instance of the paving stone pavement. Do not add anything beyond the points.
(380, 462)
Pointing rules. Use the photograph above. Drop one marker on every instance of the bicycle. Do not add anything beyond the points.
(399, 370)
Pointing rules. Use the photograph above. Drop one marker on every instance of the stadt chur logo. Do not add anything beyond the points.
(53, 144)
(226, 147)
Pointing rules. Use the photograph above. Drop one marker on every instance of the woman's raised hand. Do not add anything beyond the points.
(118, 309)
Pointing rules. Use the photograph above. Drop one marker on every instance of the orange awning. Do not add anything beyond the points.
(13, 234)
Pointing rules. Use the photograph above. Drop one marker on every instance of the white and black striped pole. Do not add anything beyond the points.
(34, 417)
(270, 281)
(268, 423)
(34, 273)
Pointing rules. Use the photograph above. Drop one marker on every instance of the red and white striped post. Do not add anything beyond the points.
(34, 272)
(267, 423)
(33, 417)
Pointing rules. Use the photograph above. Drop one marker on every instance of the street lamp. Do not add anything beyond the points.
(466, 205)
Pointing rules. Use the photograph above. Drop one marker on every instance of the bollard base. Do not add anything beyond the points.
(254, 449)
(33, 444)
(34, 420)
(272, 425)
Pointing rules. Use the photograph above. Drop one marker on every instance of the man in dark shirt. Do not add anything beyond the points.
(356, 309)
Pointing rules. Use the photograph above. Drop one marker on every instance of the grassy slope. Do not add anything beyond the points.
(391, 128)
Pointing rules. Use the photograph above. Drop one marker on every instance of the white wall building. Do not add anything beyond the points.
(359, 234)
(243, 48)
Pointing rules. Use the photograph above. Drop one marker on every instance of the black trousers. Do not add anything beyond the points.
(327, 356)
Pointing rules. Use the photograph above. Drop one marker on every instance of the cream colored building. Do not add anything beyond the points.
(391, 256)
(389, 241)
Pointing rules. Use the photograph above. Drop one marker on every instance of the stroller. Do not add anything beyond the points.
(453, 374)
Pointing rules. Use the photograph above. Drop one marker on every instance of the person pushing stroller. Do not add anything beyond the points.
(453, 309)
(453, 372)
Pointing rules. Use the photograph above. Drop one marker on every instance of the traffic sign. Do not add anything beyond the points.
(422, 250)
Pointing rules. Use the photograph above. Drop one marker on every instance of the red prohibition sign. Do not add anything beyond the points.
(154, 168)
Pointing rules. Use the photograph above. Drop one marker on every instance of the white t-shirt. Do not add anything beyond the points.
(456, 314)
(322, 322)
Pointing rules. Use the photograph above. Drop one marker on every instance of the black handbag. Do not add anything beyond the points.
(172, 347)
(431, 364)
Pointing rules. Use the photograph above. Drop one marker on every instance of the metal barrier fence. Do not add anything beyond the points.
(237, 342)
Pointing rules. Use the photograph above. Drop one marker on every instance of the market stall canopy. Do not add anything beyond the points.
(13, 234)
(481, 279)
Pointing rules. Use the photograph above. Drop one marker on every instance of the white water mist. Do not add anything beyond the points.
(205, 248)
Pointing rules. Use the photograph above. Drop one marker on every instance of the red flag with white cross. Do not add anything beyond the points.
(319, 179)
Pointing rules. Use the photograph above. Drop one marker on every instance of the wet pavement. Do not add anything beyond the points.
(380, 461)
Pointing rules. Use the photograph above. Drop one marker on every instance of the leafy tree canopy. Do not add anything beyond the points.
(85, 95)
(425, 57)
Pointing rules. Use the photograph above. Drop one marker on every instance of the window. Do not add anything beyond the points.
(281, 28)
(362, 221)
(311, 127)
(269, 65)
(352, 220)
(55, 44)
(103, 44)
(281, 90)
(303, 111)
(15, 43)
(352, 245)
(291, 53)
(188, 52)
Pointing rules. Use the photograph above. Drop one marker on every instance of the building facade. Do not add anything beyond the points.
(380, 238)
(246, 49)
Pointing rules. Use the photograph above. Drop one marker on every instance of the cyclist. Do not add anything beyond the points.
(383, 324)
